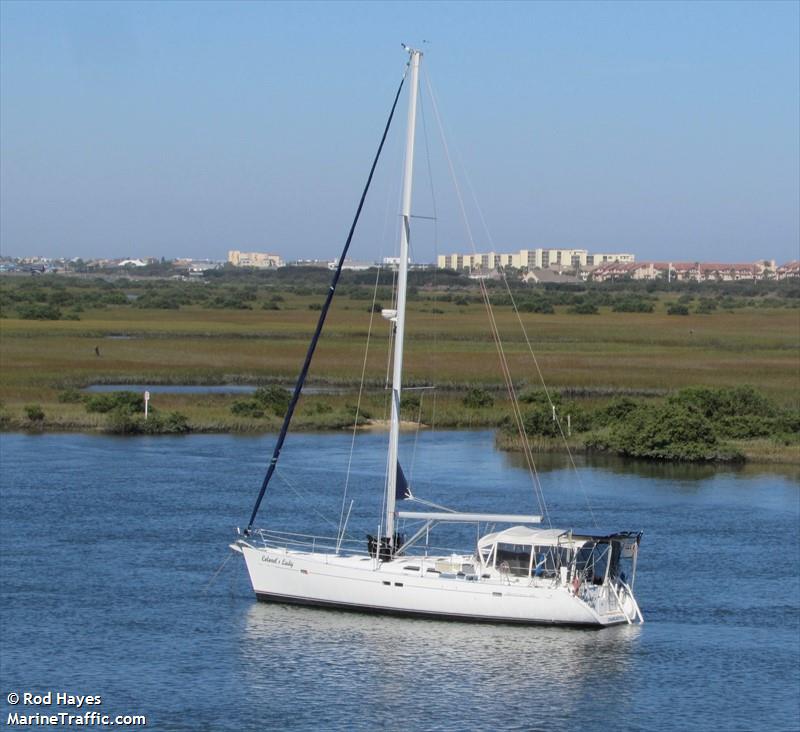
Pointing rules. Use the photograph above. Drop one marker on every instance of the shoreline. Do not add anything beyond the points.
(759, 452)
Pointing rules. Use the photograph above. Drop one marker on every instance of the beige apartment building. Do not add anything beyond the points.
(260, 260)
(530, 259)
(689, 271)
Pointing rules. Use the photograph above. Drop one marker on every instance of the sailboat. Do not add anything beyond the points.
(519, 573)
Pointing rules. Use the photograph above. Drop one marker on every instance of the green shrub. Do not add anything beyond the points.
(788, 422)
(615, 412)
(733, 401)
(128, 402)
(633, 305)
(705, 306)
(319, 408)
(314, 306)
(478, 399)
(583, 308)
(159, 301)
(745, 426)
(229, 302)
(376, 308)
(38, 311)
(544, 307)
(409, 401)
(34, 413)
(172, 423)
(677, 309)
(669, 431)
(120, 422)
(70, 396)
(274, 398)
(362, 416)
(580, 419)
(538, 422)
(247, 408)
(537, 396)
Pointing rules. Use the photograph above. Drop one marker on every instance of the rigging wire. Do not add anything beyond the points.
(386, 218)
(322, 316)
(538, 492)
(515, 408)
(552, 406)
(416, 440)
(358, 401)
(390, 329)
(435, 351)
(530, 350)
(311, 504)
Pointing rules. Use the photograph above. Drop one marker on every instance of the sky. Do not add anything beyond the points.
(669, 130)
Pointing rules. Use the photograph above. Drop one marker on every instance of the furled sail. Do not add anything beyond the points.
(401, 490)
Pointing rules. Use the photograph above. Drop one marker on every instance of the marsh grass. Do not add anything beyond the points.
(590, 359)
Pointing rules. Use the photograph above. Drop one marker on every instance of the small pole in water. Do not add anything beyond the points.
(146, 404)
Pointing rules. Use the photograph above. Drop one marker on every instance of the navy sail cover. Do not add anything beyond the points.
(401, 489)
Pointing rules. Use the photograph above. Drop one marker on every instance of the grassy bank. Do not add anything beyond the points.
(124, 334)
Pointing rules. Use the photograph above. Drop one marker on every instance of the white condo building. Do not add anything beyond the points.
(260, 260)
(539, 258)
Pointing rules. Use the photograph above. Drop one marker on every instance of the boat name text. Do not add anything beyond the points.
(280, 561)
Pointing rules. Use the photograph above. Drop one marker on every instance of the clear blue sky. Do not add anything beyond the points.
(671, 130)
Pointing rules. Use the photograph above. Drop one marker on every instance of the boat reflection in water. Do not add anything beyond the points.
(422, 667)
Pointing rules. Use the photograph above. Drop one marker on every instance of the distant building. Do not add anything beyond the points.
(309, 263)
(685, 271)
(530, 259)
(259, 260)
(195, 266)
(788, 270)
(351, 264)
(540, 276)
(131, 263)
(393, 262)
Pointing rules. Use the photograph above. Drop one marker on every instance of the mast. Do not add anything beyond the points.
(402, 276)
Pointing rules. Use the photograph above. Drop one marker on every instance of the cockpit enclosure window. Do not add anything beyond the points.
(548, 560)
(623, 560)
(515, 557)
(592, 560)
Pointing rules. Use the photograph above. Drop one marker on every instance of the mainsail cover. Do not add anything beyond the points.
(401, 489)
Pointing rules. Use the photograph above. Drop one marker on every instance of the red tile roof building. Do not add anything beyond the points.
(696, 271)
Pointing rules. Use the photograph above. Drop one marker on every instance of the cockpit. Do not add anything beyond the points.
(559, 555)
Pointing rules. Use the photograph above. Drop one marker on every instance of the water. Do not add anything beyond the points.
(199, 388)
(109, 546)
(173, 388)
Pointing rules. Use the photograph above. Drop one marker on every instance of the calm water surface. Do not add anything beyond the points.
(109, 547)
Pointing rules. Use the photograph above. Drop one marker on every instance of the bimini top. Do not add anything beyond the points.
(524, 535)
(528, 536)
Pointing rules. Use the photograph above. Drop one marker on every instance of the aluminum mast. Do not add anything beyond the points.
(402, 275)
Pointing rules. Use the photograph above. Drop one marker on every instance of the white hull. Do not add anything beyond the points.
(360, 583)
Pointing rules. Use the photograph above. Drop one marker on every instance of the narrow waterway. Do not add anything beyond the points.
(110, 546)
